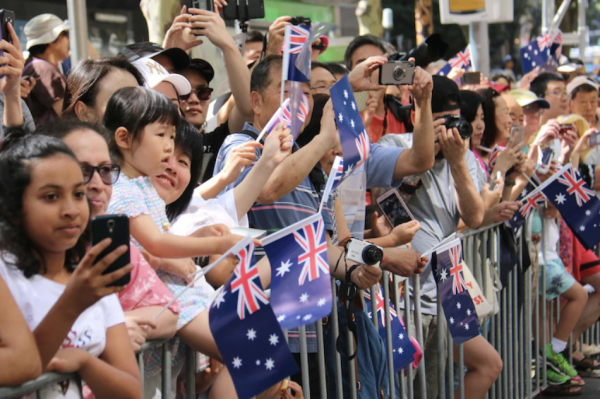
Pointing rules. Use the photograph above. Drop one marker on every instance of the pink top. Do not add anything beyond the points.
(145, 288)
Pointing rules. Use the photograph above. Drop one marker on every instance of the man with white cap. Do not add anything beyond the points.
(159, 79)
(533, 108)
(48, 44)
(583, 95)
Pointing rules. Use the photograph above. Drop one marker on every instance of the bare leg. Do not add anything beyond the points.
(591, 311)
(484, 366)
(577, 298)
(197, 334)
(223, 386)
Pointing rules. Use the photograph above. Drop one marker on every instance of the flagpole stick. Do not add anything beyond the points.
(201, 273)
(529, 180)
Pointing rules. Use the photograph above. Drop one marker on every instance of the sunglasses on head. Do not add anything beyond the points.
(108, 172)
(203, 93)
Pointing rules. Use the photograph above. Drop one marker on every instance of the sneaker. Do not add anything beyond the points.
(559, 363)
(555, 378)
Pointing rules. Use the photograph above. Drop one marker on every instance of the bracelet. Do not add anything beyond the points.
(510, 184)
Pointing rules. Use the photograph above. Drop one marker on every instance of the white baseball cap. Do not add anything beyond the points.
(581, 81)
(44, 29)
(154, 74)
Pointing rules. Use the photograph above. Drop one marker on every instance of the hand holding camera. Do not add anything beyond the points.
(453, 146)
(360, 76)
(422, 86)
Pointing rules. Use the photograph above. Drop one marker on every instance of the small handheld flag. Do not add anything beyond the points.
(462, 60)
(333, 180)
(296, 38)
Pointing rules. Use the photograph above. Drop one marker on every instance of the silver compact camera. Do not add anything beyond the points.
(364, 252)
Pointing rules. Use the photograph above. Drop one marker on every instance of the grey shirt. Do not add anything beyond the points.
(435, 206)
(28, 125)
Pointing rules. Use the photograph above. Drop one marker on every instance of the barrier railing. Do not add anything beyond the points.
(522, 320)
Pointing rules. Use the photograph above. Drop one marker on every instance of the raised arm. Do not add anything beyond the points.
(12, 66)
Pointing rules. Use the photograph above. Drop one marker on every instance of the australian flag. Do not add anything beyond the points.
(300, 279)
(295, 39)
(246, 331)
(533, 56)
(457, 303)
(577, 204)
(462, 60)
(519, 217)
(494, 157)
(353, 135)
(403, 351)
(298, 106)
(333, 180)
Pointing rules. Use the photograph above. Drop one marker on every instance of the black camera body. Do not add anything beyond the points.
(207, 5)
(300, 21)
(455, 121)
(397, 73)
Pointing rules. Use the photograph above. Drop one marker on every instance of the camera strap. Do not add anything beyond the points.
(348, 294)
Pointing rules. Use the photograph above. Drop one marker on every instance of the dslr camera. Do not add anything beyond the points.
(364, 252)
(464, 128)
(300, 21)
(397, 73)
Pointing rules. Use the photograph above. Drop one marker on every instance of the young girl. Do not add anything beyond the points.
(69, 307)
(143, 123)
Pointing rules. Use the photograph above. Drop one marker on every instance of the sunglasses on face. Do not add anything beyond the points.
(109, 173)
(203, 93)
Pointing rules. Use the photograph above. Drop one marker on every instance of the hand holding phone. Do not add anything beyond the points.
(115, 227)
(594, 139)
(546, 160)
(471, 78)
(517, 134)
(394, 208)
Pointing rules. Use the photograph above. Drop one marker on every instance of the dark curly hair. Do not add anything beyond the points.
(189, 141)
(16, 156)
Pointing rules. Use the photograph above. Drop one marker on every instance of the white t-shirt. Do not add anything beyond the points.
(36, 296)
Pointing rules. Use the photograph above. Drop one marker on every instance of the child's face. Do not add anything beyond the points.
(175, 178)
(151, 154)
(55, 209)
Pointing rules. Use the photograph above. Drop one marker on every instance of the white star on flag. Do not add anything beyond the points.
(443, 275)
(451, 320)
(220, 298)
(467, 326)
(468, 312)
(524, 193)
(341, 117)
(353, 105)
(400, 350)
(284, 268)
(237, 362)
(401, 336)
(352, 123)
(251, 334)
(281, 318)
(560, 198)
(349, 171)
(304, 297)
(458, 305)
(582, 228)
(269, 364)
(257, 362)
(346, 94)
(307, 317)
(321, 302)
(588, 212)
(273, 339)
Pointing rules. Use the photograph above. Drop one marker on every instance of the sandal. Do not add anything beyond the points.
(565, 389)
(586, 368)
(577, 381)
(586, 363)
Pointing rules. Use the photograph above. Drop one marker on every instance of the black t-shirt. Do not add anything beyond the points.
(212, 143)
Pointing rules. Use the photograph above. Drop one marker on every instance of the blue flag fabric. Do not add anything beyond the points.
(295, 39)
(518, 219)
(532, 56)
(459, 309)
(353, 135)
(577, 204)
(300, 278)
(462, 59)
(246, 331)
(403, 351)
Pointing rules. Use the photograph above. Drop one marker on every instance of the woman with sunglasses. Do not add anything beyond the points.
(145, 295)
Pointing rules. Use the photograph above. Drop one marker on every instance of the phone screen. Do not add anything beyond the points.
(517, 131)
(547, 156)
(394, 209)
(595, 139)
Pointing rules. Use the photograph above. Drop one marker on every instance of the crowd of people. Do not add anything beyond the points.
(141, 135)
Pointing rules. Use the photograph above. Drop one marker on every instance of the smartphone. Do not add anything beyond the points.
(564, 127)
(595, 139)
(115, 227)
(207, 5)
(471, 78)
(547, 157)
(361, 98)
(244, 11)
(518, 132)
(397, 73)
(6, 16)
(394, 208)
(493, 182)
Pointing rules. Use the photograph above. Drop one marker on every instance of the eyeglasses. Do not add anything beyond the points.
(203, 93)
(108, 172)
(556, 93)
(322, 88)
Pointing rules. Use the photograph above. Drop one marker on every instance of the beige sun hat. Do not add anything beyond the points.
(44, 29)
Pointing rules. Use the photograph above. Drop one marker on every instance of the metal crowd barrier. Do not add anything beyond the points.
(515, 332)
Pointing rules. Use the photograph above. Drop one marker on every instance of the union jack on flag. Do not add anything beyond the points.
(363, 145)
(296, 57)
(314, 258)
(298, 36)
(544, 41)
(576, 186)
(493, 156)
(461, 60)
(244, 281)
(458, 281)
(380, 307)
(333, 180)
(303, 108)
(531, 203)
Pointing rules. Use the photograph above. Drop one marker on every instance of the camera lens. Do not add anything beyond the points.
(464, 129)
(398, 73)
(111, 224)
(372, 254)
